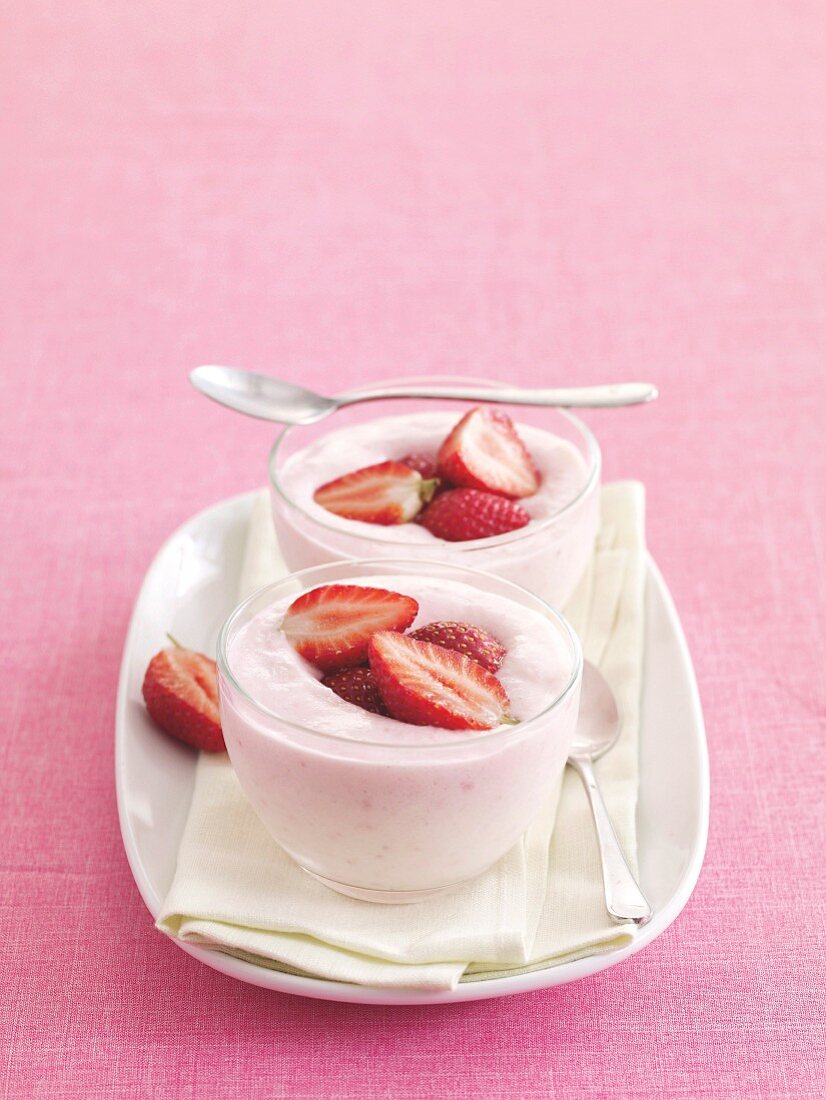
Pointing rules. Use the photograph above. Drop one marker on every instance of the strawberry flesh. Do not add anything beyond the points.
(387, 493)
(463, 514)
(484, 451)
(357, 686)
(428, 685)
(464, 638)
(331, 626)
(180, 689)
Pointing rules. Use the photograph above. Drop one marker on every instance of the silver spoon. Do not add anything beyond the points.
(598, 729)
(271, 399)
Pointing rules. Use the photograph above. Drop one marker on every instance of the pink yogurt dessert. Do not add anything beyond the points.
(548, 556)
(377, 808)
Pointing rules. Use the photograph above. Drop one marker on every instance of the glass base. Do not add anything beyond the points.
(383, 897)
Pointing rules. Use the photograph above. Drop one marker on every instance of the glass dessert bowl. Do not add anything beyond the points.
(376, 807)
(547, 555)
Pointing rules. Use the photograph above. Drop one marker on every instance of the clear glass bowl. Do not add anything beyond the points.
(396, 821)
(548, 556)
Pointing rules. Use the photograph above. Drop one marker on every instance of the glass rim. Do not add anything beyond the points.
(390, 563)
(593, 456)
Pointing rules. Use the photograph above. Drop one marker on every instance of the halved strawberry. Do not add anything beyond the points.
(424, 464)
(428, 685)
(180, 689)
(331, 626)
(357, 686)
(464, 638)
(462, 514)
(387, 493)
(485, 452)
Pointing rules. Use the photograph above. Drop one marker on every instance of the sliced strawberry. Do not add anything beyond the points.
(180, 690)
(485, 452)
(428, 685)
(331, 626)
(357, 686)
(387, 493)
(462, 514)
(424, 464)
(464, 638)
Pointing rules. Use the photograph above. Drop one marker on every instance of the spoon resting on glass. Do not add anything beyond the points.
(598, 729)
(269, 398)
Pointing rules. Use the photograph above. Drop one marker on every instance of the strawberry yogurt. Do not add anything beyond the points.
(548, 556)
(378, 808)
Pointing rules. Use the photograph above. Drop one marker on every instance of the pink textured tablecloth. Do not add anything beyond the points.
(571, 192)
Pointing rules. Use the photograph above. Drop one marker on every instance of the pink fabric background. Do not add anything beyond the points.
(332, 191)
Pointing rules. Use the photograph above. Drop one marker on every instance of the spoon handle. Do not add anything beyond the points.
(582, 397)
(623, 897)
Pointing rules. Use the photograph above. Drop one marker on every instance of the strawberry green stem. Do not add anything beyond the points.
(427, 489)
(175, 641)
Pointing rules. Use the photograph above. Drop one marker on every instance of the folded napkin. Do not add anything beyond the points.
(236, 891)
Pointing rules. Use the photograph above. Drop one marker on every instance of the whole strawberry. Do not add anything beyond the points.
(180, 689)
(463, 514)
(357, 686)
(464, 638)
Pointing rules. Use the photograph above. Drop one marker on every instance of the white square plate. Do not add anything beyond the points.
(189, 590)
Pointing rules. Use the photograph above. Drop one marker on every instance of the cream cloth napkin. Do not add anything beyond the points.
(236, 891)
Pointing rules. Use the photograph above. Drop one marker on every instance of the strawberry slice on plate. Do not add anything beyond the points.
(473, 641)
(463, 514)
(387, 493)
(180, 689)
(357, 686)
(428, 685)
(484, 451)
(331, 626)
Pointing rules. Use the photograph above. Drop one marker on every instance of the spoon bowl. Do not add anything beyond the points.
(599, 724)
(261, 396)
